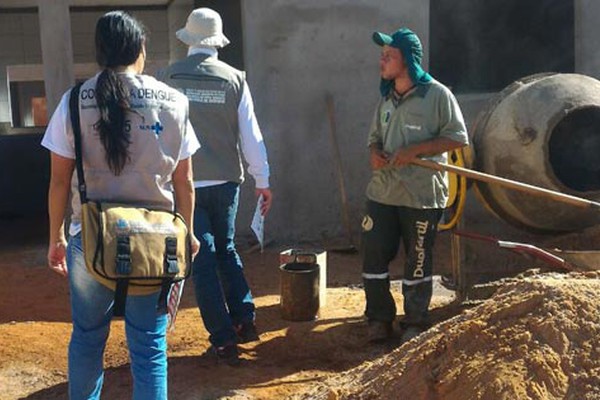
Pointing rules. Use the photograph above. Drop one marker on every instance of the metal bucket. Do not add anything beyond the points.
(309, 256)
(543, 130)
(299, 299)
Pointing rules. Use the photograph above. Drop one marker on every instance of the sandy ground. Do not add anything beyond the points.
(537, 338)
(290, 358)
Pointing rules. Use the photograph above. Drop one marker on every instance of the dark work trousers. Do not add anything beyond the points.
(384, 227)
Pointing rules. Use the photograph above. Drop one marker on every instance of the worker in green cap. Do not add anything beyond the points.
(416, 117)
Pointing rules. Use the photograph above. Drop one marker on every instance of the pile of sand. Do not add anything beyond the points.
(538, 337)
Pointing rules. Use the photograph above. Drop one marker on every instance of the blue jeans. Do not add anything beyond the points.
(92, 310)
(222, 292)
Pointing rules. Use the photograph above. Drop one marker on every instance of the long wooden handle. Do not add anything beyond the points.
(520, 186)
(338, 164)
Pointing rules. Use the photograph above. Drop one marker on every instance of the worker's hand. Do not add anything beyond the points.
(195, 246)
(402, 156)
(57, 257)
(379, 159)
(267, 199)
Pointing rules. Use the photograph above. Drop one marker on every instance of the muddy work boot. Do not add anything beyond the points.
(246, 333)
(411, 332)
(379, 331)
(227, 354)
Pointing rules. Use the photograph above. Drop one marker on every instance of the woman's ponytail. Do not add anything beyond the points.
(113, 102)
(120, 40)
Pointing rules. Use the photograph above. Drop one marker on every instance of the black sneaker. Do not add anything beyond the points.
(228, 354)
(246, 332)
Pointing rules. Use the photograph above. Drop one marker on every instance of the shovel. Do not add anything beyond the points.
(571, 260)
(523, 249)
(350, 247)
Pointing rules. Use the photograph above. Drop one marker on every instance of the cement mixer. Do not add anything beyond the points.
(543, 130)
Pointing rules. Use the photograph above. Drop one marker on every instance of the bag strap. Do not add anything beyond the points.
(163, 298)
(76, 125)
(122, 287)
(120, 297)
(170, 268)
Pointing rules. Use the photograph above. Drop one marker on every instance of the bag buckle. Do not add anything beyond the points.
(171, 266)
(123, 262)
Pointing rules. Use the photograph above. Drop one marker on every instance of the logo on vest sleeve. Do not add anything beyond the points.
(157, 128)
(367, 223)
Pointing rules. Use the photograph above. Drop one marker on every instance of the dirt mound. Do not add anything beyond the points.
(538, 337)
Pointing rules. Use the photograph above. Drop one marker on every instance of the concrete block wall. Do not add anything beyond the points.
(82, 28)
(295, 54)
(177, 16)
(587, 37)
(83, 25)
(19, 44)
(19, 36)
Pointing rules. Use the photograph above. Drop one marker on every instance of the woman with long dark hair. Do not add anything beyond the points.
(137, 144)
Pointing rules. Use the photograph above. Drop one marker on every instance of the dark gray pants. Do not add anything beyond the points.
(383, 228)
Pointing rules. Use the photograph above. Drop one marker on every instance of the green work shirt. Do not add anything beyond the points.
(427, 112)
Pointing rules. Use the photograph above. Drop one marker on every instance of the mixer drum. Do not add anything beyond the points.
(543, 130)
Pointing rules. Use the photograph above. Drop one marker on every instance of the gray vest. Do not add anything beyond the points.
(157, 123)
(214, 90)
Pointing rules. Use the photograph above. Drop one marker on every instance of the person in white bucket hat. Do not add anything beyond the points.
(222, 114)
(204, 27)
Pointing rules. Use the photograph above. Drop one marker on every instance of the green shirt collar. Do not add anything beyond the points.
(418, 90)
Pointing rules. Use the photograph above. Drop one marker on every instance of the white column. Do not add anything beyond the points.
(587, 37)
(57, 49)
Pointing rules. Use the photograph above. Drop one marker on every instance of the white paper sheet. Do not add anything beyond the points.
(258, 224)
(173, 303)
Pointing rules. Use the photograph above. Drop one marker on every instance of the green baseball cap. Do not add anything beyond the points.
(410, 46)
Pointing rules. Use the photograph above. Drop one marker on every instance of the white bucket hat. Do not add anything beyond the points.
(204, 27)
